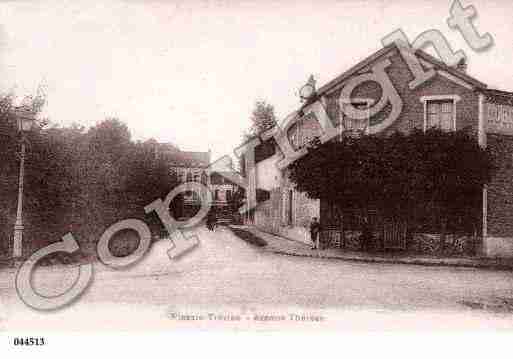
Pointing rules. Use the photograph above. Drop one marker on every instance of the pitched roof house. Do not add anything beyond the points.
(189, 159)
(188, 166)
(379, 88)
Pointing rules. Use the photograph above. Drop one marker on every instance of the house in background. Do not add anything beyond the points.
(451, 100)
(189, 166)
(222, 189)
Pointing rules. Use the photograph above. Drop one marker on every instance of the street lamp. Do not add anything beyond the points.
(307, 91)
(25, 118)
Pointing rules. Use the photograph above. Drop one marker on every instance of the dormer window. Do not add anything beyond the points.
(440, 112)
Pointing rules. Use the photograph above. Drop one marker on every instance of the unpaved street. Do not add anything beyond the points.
(227, 276)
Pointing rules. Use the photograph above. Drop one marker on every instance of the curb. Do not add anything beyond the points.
(420, 262)
(408, 261)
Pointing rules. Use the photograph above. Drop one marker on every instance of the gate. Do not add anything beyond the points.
(395, 232)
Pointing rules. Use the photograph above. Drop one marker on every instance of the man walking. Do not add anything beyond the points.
(315, 228)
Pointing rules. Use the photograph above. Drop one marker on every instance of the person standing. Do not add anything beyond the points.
(315, 228)
(211, 219)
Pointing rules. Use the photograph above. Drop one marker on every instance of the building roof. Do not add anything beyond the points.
(222, 177)
(375, 56)
(494, 92)
(499, 96)
(178, 158)
(452, 70)
(189, 159)
(168, 147)
(422, 55)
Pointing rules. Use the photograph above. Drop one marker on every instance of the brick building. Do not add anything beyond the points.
(222, 188)
(451, 100)
(189, 166)
(498, 196)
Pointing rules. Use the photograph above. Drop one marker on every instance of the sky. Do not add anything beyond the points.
(189, 72)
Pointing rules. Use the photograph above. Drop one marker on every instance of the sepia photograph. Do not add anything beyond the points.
(255, 167)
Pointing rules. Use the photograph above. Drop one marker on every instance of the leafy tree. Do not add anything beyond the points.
(262, 118)
(9, 148)
(397, 174)
(76, 179)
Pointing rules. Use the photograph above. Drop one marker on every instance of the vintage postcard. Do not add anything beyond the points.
(171, 166)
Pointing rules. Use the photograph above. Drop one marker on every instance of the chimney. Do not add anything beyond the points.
(462, 65)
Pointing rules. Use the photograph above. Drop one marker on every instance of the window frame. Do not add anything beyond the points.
(354, 101)
(440, 98)
(295, 132)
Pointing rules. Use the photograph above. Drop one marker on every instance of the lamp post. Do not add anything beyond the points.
(308, 90)
(25, 119)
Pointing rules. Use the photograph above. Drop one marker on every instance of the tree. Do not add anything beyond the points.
(109, 139)
(9, 147)
(9, 164)
(398, 173)
(262, 118)
(77, 180)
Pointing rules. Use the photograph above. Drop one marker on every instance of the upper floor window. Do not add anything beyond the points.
(440, 115)
(440, 112)
(303, 131)
(350, 124)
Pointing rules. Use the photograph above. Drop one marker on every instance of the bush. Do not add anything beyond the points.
(80, 181)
